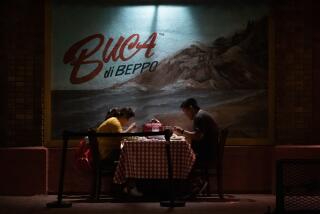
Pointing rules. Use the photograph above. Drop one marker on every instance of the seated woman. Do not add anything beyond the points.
(109, 147)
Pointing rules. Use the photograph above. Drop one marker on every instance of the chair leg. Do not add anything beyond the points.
(220, 184)
(93, 193)
(98, 186)
(208, 186)
(207, 179)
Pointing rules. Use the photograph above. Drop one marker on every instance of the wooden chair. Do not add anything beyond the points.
(215, 168)
(99, 170)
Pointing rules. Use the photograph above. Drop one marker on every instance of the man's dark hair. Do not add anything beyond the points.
(191, 102)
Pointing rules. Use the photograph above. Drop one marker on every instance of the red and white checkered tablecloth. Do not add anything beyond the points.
(147, 159)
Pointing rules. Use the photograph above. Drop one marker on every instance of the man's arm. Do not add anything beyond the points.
(193, 135)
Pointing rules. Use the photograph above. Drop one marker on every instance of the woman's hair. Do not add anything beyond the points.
(120, 112)
(191, 102)
(113, 112)
(126, 113)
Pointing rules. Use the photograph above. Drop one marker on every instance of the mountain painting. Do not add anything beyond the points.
(226, 72)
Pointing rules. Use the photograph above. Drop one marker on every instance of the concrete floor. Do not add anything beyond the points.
(246, 204)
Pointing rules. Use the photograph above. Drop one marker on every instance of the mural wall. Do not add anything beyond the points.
(151, 58)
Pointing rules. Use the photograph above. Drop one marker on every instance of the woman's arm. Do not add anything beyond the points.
(130, 128)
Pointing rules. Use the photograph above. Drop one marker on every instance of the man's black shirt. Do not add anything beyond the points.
(206, 146)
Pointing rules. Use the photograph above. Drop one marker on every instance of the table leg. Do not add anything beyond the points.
(172, 202)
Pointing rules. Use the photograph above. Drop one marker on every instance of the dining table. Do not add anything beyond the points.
(146, 158)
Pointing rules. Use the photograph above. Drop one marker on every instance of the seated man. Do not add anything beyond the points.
(204, 138)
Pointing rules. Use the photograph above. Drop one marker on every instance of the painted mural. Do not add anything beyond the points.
(151, 58)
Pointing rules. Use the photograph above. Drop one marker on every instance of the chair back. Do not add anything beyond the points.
(93, 142)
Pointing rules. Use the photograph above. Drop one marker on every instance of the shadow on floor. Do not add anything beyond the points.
(128, 199)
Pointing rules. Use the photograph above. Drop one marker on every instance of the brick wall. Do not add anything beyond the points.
(22, 40)
(294, 110)
(316, 71)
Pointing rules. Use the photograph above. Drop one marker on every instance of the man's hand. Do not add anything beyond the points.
(178, 130)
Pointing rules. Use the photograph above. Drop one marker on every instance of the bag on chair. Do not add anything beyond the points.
(84, 156)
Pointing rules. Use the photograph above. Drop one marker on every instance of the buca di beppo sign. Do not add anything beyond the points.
(123, 49)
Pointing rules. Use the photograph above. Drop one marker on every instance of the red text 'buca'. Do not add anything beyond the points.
(123, 49)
